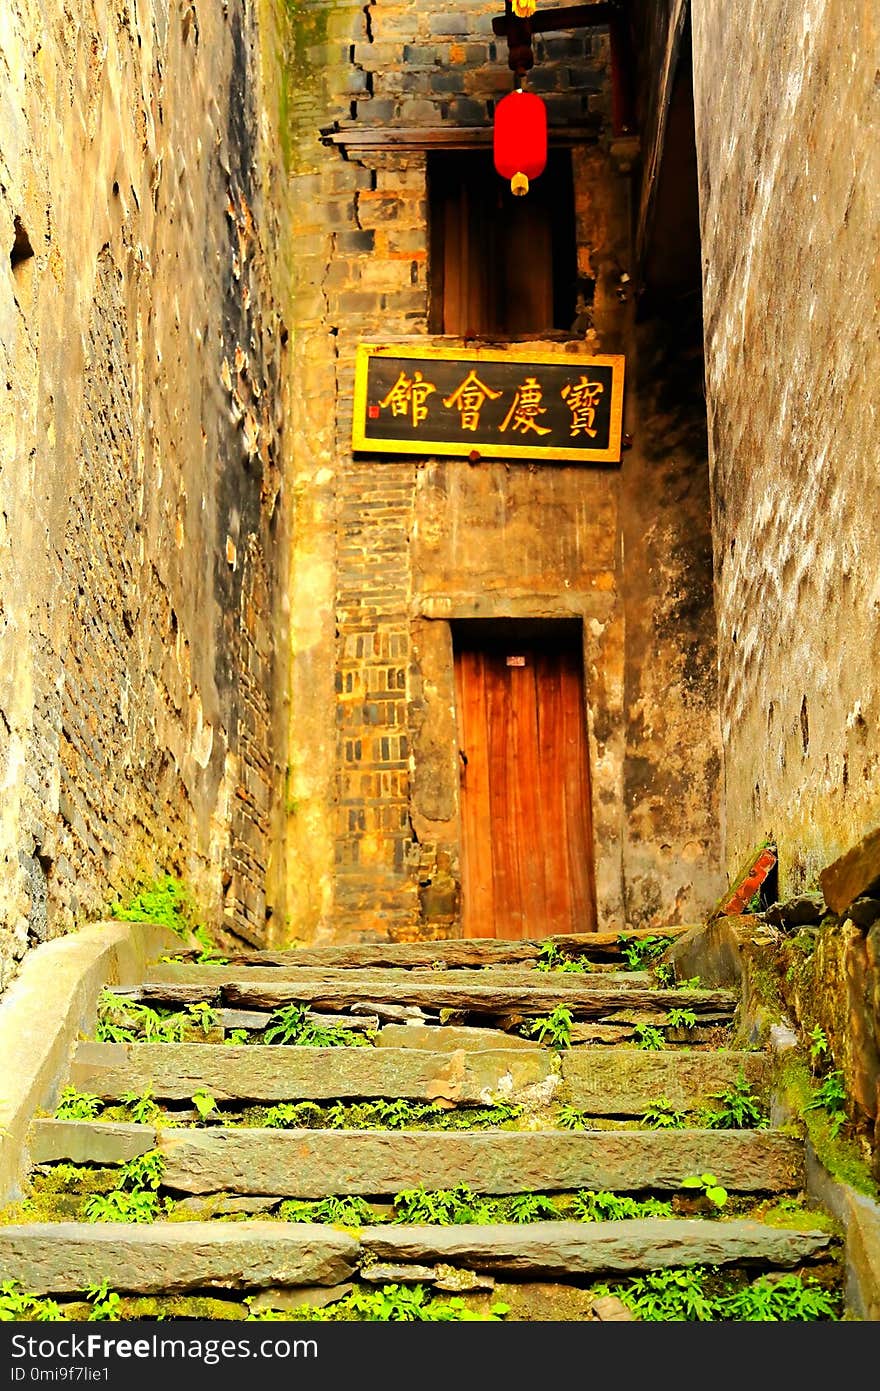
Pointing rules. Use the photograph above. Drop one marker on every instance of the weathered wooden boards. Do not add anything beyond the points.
(603, 1082)
(315, 1163)
(172, 1257)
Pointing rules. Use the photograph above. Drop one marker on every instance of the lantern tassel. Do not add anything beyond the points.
(519, 185)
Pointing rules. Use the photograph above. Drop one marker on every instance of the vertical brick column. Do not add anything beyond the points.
(374, 888)
(374, 295)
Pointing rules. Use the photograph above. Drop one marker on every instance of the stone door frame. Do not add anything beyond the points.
(435, 811)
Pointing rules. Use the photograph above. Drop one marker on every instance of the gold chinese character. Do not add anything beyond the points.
(469, 398)
(526, 405)
(406, 396)
(582, 399)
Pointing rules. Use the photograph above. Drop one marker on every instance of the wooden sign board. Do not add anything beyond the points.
(559, 407)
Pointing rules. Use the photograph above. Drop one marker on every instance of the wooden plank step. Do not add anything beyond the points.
(265, 1073)
(581, 996)
(474, 951)
(316, 1163)
(65, 1258)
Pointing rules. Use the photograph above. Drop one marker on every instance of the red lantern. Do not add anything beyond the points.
(520, 139)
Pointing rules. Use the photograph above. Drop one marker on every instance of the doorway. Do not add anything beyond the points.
(526, 822)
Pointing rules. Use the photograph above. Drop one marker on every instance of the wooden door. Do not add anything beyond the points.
(527, 852)
(500, 266)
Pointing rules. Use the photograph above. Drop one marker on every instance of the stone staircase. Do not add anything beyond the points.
(524, 1128)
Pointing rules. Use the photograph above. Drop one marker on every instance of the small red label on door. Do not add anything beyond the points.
(516, 661)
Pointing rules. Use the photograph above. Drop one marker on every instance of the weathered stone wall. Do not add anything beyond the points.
(388, 551)
(142, 366)
(788, 117)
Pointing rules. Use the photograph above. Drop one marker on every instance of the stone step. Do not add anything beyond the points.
(580, 995)
(593, 1248)
(626, 1081)
(316, 1163)
(173, 1257)
(264, 1073)
(613, 1082)
(170, 1257)
(474, 951)
(446, 1038)
(183, 973)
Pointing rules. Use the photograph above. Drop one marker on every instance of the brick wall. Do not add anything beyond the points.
(372, 805)
(787, 123)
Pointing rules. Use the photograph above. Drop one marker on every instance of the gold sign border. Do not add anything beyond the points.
(362, 444)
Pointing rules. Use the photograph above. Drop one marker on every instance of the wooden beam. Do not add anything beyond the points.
(654, 132)
(361, 138)
(590, 16)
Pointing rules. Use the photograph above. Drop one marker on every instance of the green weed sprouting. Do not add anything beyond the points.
(708, 1185)
(550, 958)
(590, 1206)
(127, 1021)
(135, 1197)
(531, 1207)
(649, 1037)
(389, 1303)
(460, 1206)
(141, 1106)
(205, 1104)
(385, 1115)
(554, 1028)
(693, 1295)
(77, 1106)
(348, 1211)
(639, 951)
(738, 1109)
(818, 1042)
(122, 1206)
(445, 1207)
(830, 1097)
(291, 1025)
(662, 1114)
(144, 1172)
(17, 1305)
(202, 1016)
(106, 1304)
(170, 903)
(680, 1019)
(571, 1118)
